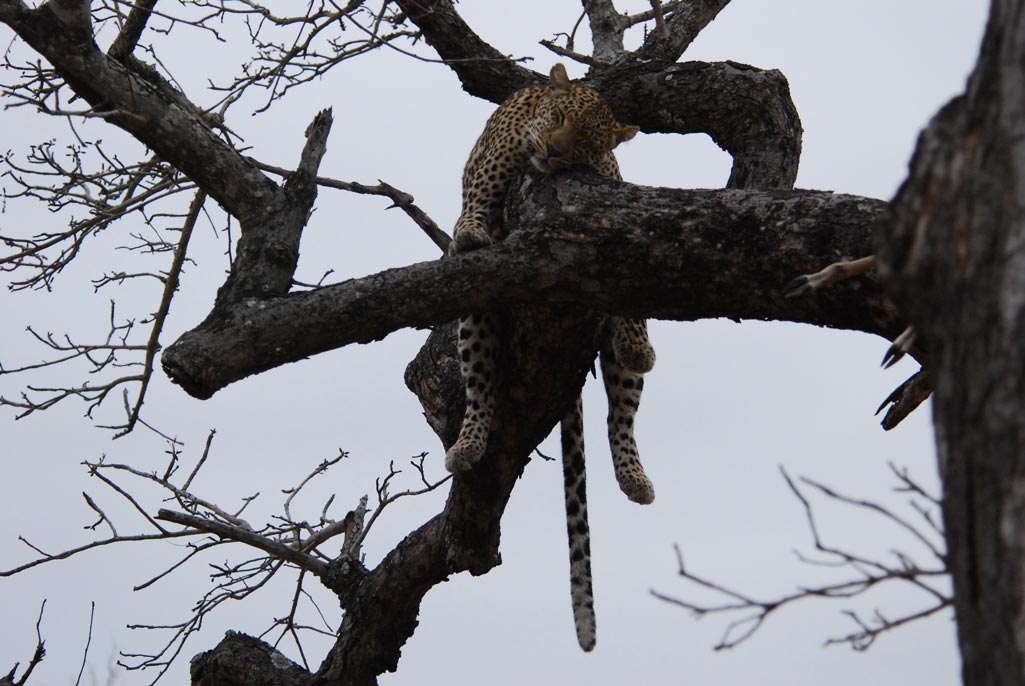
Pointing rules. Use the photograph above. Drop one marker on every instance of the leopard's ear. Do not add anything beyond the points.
(625, 133)
(559, 79)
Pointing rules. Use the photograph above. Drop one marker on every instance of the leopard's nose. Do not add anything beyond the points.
(553, 151)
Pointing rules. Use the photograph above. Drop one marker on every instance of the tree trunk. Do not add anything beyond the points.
(954, 254)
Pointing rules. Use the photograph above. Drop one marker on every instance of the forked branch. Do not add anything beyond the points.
(866, 573)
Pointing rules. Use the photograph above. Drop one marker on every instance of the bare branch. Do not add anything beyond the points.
(37, 656)
(88, 642)
(483, 70)
(202, 459)
(170, 287)
(384, 499)
(402, 200)
(247, 536)
(933, 547)
(867, 574)
(88, 546)
(320, 469)
(660, 20)
(186, 499)
(571, 54)
(136, 98)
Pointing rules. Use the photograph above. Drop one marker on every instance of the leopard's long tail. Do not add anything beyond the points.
(574, 476)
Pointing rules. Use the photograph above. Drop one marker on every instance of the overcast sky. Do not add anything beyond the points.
(726, 406)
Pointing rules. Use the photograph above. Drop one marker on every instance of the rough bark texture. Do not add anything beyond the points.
(631, 250)
(747, 111)
(543, 358)
(682, 29)
(241, 660)
(955, 258)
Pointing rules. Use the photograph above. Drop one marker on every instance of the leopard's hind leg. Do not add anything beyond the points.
(631, 344)
(623, 388)
(476, 346)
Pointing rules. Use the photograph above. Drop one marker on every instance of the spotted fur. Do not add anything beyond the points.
(552, 127)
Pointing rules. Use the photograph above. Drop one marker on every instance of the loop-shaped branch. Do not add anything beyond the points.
(747, 111)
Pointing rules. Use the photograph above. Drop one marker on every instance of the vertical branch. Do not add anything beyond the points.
(170, 287)
(88, 642)
(37, 657)
(132, 30)
(607, 29)
(268, 249)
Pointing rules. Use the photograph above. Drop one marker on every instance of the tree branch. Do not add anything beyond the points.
(131, 32)
(747, 111)
(247, 536)
(269, 250)
(630, 250)
(607, 28)
(686, 22)
(147, 107)
(483, 70)
(240, 659)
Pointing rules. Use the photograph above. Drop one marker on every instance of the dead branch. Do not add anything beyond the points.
(400, 199)
(37, 657)
(88, 642)
(867, 574)
(286, 542)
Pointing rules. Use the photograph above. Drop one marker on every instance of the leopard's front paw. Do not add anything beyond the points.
(467, 239)
(463, 455)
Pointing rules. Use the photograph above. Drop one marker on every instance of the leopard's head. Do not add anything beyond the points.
(573, 126)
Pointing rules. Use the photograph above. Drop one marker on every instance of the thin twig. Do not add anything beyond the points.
(868, 573)
(88, 642)
(404, 201)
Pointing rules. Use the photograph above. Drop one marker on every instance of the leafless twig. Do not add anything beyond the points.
(37, 657)
(867, 574)
(88, 642)
(400, 199)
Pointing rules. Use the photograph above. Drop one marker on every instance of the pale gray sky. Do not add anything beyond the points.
(726, 405)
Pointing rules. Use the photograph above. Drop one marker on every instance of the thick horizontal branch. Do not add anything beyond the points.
(623, 249)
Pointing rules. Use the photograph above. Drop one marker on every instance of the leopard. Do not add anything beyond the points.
(555, 127)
